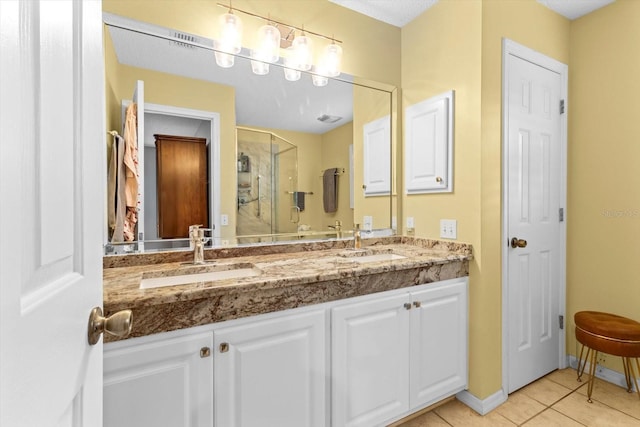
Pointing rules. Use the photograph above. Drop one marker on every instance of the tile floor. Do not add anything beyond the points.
(556, 400)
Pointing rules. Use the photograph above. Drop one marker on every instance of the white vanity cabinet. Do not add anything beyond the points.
(363, 361)
(398, 352)
(159, 381)
(273, 372)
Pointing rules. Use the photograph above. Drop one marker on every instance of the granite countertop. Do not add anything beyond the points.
(288, 276)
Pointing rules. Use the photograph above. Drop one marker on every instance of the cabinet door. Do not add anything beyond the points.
(377, 157)
(162, 384)
(272, 372)
(438, 342)
(370, 357)
(429, 145)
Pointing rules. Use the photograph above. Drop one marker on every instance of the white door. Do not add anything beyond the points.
(370, 361)
(438, 362)
(534, 191)
(51, 211)
(272, 372)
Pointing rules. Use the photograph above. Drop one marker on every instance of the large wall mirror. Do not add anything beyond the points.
(283, 160)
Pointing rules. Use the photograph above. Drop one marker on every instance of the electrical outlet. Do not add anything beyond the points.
(448, 228)
(410, 222)
(224, 219)
(394, 223)
(367, 223)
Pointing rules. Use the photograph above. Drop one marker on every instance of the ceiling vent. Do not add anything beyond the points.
(325, 118)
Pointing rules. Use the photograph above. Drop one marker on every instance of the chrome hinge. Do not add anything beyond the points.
(562, 106)
(561, 321)
(561, 214)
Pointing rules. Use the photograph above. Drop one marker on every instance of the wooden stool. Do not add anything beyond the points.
(611, 334)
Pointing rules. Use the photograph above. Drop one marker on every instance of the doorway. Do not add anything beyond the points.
(533, 218)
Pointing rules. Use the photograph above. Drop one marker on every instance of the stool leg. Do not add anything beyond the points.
(635, 381)
(626, 364)
(592, 373)
(581, 369)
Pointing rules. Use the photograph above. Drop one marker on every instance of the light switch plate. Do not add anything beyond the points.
(224, 219)
(448, 228)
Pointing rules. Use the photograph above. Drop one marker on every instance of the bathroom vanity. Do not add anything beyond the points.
(302, 334)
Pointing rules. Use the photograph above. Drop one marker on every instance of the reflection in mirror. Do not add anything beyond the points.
(269, 141)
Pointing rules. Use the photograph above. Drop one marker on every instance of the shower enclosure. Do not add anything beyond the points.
(267, 176)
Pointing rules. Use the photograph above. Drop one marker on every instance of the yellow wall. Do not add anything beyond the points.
(335, 154)
(604, 153)
(458, 45)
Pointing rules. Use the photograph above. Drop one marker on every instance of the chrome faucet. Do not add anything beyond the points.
(197, 240)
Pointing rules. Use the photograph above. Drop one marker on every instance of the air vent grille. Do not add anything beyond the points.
(189, 39)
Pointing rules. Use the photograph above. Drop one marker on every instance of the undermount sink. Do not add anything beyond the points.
(377, 257)
(368, 255)
(198, 274)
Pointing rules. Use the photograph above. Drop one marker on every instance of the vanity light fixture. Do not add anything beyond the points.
(298, 57)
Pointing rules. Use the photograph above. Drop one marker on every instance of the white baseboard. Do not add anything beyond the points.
(606, 374)
(484, 406)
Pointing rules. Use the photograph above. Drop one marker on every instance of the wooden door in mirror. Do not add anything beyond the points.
(182, 184)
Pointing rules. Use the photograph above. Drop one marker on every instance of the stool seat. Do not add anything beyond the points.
(611, 334)
(608, 333)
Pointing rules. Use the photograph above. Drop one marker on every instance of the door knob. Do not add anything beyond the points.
(518, 243)
(118, 324)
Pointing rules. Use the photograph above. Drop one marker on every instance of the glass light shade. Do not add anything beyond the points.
(259, 66)
(303, 50)
(332, 60)
(223, 60)
(291, 71)
(230, 36)
(269, 43)
(320, 78)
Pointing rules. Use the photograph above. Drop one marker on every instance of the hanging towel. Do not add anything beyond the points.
(131, 180)
(116, 204)
(298, 200)
(330, 190)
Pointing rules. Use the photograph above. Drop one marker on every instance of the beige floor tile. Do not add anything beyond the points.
(460, 415)
(615, 396)
(430, 419)
(546, 391)
(568, 377)
(520, 407)
(594, 414)
(552, 418)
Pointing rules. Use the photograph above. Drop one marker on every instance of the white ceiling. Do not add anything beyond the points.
(401, 12)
